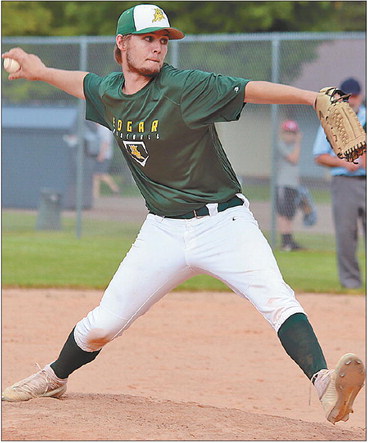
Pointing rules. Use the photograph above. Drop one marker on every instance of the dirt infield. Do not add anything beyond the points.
(197, 366)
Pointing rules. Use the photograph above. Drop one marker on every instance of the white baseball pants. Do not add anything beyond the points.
(227, 245)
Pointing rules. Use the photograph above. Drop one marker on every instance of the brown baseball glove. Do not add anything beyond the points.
(340, 123)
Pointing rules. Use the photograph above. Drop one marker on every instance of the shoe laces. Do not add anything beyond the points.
(320, 380)
(32, 384)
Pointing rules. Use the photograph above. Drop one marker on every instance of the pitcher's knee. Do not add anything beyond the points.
(280, 306)
(100, 327)
(93, 339)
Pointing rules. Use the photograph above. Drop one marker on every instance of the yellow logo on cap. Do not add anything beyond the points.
(159, 15)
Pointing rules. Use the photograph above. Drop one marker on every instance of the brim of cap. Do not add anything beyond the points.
(174, 34)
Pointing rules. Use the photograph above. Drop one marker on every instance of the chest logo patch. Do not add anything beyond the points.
(137, 150)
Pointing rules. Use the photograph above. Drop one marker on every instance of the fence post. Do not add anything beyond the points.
(275, 78)
(80, 152)
(174, 50)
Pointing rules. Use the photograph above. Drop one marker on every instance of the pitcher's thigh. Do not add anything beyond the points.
(153, 267)
(248, 266)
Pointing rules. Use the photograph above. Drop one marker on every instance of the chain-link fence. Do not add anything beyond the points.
(43, 140)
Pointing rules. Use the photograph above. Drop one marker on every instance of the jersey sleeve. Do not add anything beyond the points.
(208, 98)
(95, 109)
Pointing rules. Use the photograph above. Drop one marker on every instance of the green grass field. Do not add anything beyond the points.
(32, 258)
(254, 192)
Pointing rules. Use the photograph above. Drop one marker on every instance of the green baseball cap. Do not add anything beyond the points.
(143, 19)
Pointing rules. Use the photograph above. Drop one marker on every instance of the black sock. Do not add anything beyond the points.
(300, 342)
(286, 239)
(71, 358)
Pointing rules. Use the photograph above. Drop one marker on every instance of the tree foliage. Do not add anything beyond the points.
(75, 18)
(21, 18)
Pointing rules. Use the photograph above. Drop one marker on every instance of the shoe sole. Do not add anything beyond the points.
(350, 376)
(56, 393)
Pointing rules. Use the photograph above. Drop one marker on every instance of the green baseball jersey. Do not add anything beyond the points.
(166, 133)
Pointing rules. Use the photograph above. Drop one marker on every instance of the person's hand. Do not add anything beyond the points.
(351, 167)
(31, 66)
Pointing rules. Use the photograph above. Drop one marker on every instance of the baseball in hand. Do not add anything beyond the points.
(11, 65)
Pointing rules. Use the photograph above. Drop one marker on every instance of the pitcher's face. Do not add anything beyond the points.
(144, 54)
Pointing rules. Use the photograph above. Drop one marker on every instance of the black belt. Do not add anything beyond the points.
(203, 211)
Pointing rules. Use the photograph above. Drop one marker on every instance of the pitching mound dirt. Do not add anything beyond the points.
(125, 417)
(202, 366)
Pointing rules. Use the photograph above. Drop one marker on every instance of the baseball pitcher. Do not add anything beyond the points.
(199, 222)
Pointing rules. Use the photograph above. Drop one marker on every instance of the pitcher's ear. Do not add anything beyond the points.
(117, 55)
(121, 41)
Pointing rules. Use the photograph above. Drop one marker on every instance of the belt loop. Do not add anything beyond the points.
(212, 208)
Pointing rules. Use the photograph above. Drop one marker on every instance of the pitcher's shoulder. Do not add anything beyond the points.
(104, 82)
(169, 72)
